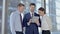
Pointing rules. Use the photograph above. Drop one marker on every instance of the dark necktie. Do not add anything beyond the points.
(21, 18)
(21, 21)
(32, 15)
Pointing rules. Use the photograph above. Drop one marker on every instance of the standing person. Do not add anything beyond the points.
(16, 19)
(45, 21)
(31, 28)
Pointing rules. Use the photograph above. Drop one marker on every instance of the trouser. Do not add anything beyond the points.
(46, 32)
(31, 32)
(32, 29)
(17, 32)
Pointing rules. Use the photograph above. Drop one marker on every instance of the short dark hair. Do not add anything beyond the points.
(42, 9)
(32, 4)
(20, 4)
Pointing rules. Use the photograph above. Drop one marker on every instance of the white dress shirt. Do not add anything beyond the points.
(32, 14)
(46, 23)
(15, 22)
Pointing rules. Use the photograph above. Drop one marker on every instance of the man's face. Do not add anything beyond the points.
(32, 8)
(21, 8)
(40, 12)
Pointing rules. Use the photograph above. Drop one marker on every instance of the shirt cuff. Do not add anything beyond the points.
(28, 24)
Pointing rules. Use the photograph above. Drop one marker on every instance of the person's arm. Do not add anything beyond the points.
(25, 21)
(25, 24)
(49, 22)
(12, 27)
(24, 29)
(38, 22)
(29, 22)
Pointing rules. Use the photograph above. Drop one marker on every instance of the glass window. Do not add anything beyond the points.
(38, 4)
(0, 15)
(47, 7)
(58, 13)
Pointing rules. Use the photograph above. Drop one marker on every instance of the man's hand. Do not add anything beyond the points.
(24, 28)
(29, 22)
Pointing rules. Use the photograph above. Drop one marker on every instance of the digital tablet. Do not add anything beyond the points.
(34, 18)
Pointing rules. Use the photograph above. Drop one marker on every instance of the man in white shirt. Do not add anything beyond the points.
(16, 19)
(45, 21)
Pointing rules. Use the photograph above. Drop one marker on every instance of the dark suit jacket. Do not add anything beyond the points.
(26, 19)
(32, 28)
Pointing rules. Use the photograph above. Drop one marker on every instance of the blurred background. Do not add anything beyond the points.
(8, 6)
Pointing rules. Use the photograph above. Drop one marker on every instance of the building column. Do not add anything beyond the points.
(43, 3)
(52, 14)
(4, 16)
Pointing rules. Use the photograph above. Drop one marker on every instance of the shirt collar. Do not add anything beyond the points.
(19, 12)
(31, 12)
